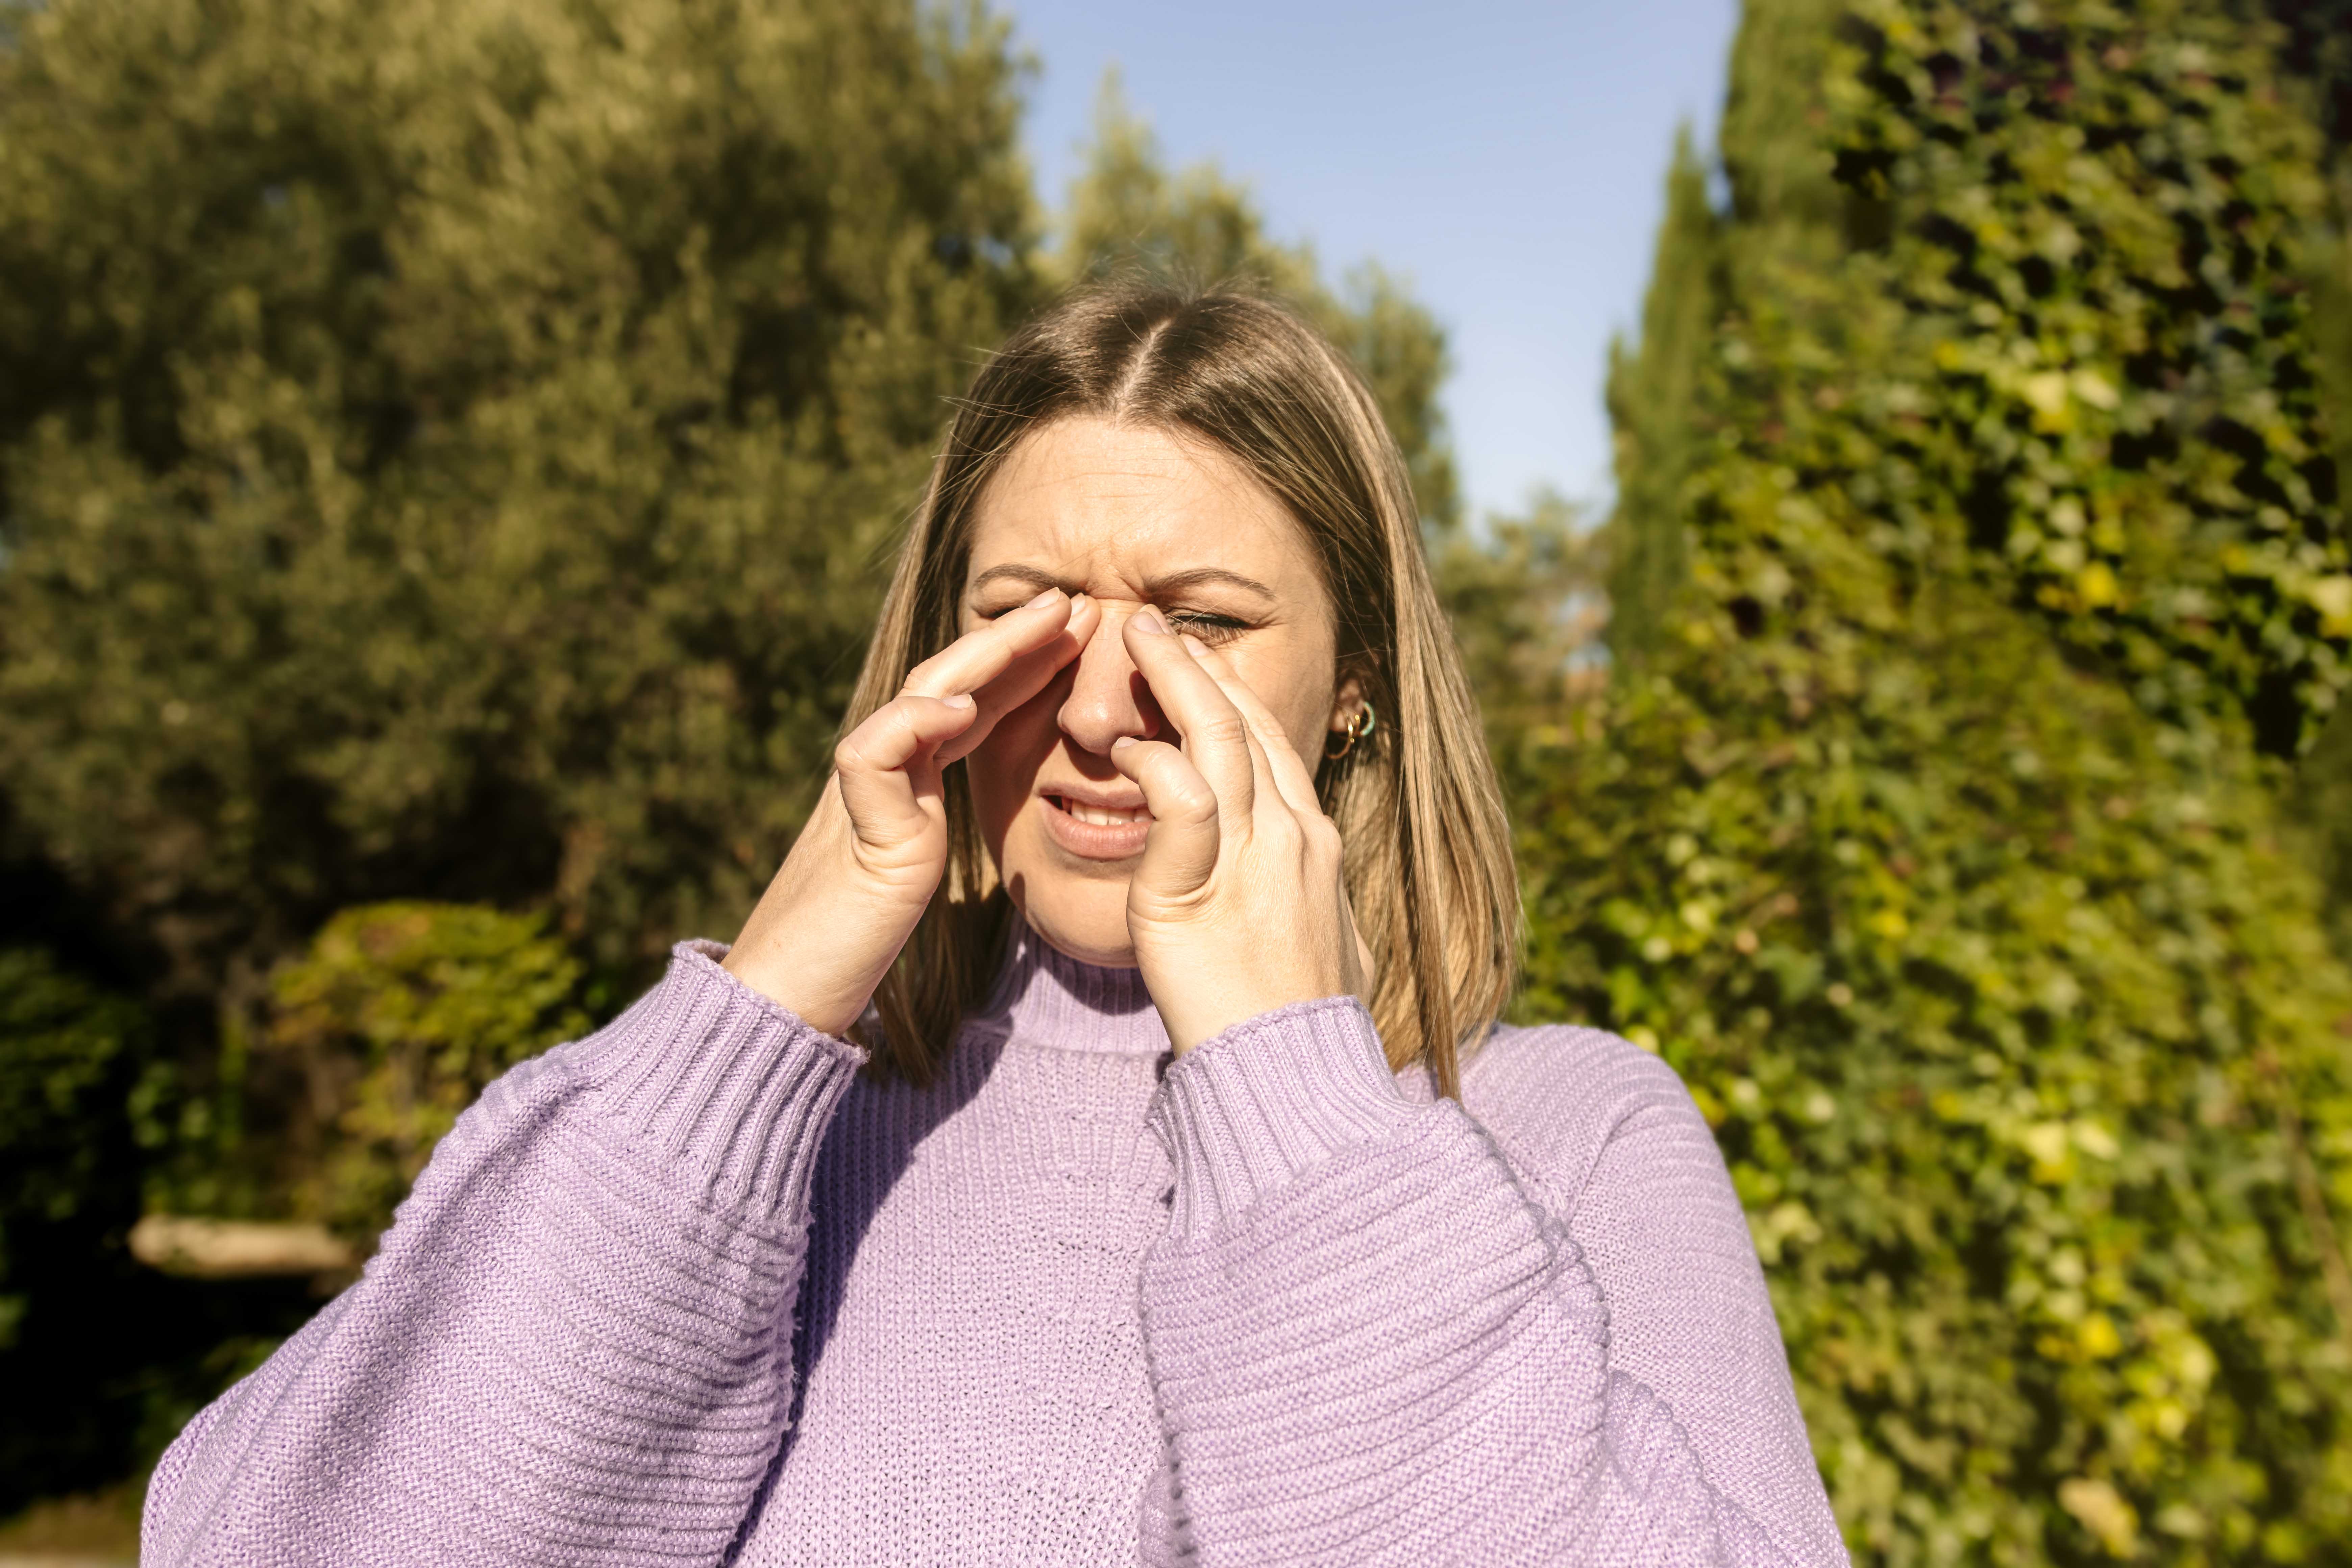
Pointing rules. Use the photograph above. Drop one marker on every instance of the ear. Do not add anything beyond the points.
(1346, 703)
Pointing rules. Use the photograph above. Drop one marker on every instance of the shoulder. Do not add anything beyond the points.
(1560, 1099)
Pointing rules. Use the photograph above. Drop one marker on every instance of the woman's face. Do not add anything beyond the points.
(1129, 516)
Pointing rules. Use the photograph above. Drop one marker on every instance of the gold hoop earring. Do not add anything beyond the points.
(1360, 723)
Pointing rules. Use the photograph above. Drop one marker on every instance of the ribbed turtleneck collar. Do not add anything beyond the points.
(1048, 998)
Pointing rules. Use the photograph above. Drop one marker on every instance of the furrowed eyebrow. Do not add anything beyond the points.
(1174, 583)
(1177, 582)
(1033, 577)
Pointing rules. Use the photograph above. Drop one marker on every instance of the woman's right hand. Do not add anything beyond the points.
(865, 868)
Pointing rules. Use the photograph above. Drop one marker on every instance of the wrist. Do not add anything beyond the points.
(1207, 1012)
(792, 976)
(1268, 1100)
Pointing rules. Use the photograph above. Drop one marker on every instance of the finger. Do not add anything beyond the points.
(1216, 735)
(1179, 852)
(875, 760)
(982, 654)
(1027, 676)
(1291, 779)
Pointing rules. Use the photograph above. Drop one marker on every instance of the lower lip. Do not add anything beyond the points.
(1094, 840)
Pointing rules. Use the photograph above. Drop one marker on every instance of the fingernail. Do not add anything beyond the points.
(1122, 740)
(960, 699)
(1076, 600)
(1150, 623)
(1194, 646)
(1047, 598)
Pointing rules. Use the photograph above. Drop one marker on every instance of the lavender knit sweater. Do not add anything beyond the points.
(689, 1291)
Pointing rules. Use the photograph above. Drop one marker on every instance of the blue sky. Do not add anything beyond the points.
(1508, 156)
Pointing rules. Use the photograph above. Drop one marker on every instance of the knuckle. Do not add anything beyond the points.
(1226, 730)
(922, 677)
(1194, 803)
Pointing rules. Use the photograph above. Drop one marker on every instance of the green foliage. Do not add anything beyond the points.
(1525, 595)
(2317, 810)
(100, 1359)
(2098, 232)
(399, 1014)
(1935, 837)
(71, 1066)
(1992, 1002)
(447, 446)
(2315, 55)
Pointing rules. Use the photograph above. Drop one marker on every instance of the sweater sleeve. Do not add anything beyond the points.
(574, 1343)
(1371, 1345)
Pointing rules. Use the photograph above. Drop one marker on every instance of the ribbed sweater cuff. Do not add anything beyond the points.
(720, 1079)
(1248, 1111)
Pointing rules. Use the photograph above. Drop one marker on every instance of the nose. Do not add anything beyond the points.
(1108, 697)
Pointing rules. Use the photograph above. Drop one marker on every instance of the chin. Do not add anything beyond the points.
(1090, 927)
(1075, 903)
(1083, 918)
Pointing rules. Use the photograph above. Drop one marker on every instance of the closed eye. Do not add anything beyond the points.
(1210, 627)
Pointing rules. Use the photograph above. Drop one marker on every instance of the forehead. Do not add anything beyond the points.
(1109, 507)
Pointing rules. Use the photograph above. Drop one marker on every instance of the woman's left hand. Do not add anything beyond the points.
(1237, 906)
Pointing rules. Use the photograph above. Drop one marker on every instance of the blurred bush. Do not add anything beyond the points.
(71, 1074)
(73, 1066)
(101, 1361)
(399, 1015)
(1980, 562)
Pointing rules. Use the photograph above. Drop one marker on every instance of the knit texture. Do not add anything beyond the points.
(692, 1289)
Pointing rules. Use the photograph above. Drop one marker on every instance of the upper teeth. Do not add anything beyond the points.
(1104, 816)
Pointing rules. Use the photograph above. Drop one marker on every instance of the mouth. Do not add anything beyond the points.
(1096, 832)
(1100, 816)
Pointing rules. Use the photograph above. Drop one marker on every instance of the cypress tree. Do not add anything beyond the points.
(1654, 411)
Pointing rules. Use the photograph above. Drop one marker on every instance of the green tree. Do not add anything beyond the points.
(1935, 836)
(446, 448)
(1527, 599)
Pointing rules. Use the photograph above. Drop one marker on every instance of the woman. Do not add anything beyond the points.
(1188, 1203)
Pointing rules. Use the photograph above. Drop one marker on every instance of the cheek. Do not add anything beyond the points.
(1004, 770)
(1295, 687)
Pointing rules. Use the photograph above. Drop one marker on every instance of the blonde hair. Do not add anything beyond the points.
(1427, 848)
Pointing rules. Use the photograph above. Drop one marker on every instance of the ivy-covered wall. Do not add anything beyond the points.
(1933, 829)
